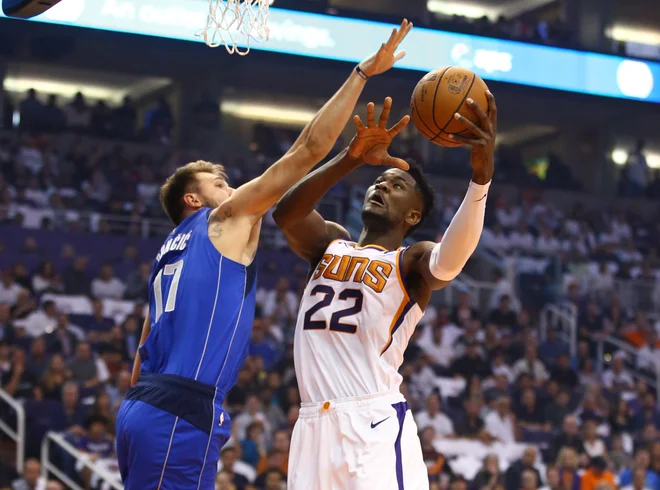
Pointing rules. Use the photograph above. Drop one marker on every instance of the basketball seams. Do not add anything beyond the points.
(467, 93)
(421, 120)
(435, 95)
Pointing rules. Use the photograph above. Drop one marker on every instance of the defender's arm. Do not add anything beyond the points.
(317, 139)
(305, 230)
(146, 329)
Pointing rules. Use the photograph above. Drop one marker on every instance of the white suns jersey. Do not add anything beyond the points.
(354, 323)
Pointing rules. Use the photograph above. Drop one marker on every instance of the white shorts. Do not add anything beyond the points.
(364, 443)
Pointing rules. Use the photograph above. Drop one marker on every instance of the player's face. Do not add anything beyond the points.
(212, 190)
(394, 198)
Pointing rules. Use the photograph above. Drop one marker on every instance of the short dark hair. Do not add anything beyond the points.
(97, 419)
(426, 191)
(181, 182)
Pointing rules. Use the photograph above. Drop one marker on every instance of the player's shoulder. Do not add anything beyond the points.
(337, 232)
(418, 249)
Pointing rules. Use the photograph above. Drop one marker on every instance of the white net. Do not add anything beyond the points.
(236, 22)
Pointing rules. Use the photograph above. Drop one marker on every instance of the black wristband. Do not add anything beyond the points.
(362, 74)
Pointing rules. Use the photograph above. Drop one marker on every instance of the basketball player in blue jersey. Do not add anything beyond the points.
(171, 426)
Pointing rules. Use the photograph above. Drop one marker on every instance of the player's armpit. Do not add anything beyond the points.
(417, 258)
(310, 237)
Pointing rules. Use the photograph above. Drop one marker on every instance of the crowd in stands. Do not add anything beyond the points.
(498, 405)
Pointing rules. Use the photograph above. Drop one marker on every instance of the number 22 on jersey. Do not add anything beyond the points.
(169, 270)
(336, 324)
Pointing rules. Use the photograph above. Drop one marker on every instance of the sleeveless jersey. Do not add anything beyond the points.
(201, 308)
(355, 320)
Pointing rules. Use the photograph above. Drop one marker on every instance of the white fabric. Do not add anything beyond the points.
(112, 289)
(37, 324)
(502, 429)
(462, 236)
(442, 424)
(363, 289)
(336, 448)
(9, 294)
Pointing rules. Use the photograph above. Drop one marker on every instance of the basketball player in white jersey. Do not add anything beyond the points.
(362, 303)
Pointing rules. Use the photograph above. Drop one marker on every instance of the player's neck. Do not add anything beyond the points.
(388, 239)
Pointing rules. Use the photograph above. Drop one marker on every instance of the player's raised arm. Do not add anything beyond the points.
(440, 263)
(305, 229)
(316, 140)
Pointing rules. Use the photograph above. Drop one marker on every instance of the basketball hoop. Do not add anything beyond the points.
(234, 22)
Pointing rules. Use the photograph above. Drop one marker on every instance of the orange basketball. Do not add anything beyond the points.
(439, 95)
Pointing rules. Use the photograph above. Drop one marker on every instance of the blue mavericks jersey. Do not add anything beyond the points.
(201, 307)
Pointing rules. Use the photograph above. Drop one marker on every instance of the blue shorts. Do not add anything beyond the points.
(169, 434)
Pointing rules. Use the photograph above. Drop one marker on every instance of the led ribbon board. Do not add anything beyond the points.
(339, 38)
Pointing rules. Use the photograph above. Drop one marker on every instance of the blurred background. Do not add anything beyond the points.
(536, 368)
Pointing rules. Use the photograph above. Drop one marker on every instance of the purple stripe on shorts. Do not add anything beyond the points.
(401, 409)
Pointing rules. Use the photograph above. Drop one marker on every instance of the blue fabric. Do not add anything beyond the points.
(652, 481)
(401, 409)
(205, 334)
(156, 449)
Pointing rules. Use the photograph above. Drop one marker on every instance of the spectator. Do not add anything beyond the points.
(70, 415)
(223, 481)
(263, 345)
(433, 417)
(19, 382)
(7, 331)
(97, 443)
(531, 416)
(648, 356)
(568, 438)
(439, 351)
(281, 303)
(77, 113)
(9, 288)
(531, 365)
(471, 426)
(239, 473)
(54, 377)
(550, 352)
(83, 367)
(642, 461)
(106, 285)
(489, 476)
(31, 479)
(500, 423)
(437, 464)
(118, 391)
(593, 445)
(464, 312)
(278, 456)
(513, 475)
(37, 359)
(65, 337)
(563, 374)
(46, 280)
(76, 280)
(617, 379)
(568, 465)
(251, 414)
(39, 322)
(639, 481)
(471, 364)
(503, 316)
(529, 480)
(596, 474)
(137, 283)
(553, 480)
(253, 447)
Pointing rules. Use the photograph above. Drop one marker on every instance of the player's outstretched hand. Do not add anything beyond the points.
(482, 142)
(371, 142)
(387, 55)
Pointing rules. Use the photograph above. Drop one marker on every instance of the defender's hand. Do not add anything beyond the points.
(370, 144)
(482, 142)
(385, 58)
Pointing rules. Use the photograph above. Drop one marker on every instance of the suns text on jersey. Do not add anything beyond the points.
(177, 242)
(343, 268)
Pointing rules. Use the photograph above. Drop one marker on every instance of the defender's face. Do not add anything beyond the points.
(212, 190)
(393, 197)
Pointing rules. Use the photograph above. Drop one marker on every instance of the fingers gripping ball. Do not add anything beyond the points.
(441, 94)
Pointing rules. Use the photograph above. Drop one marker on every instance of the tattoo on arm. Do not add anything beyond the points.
(215, 223)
